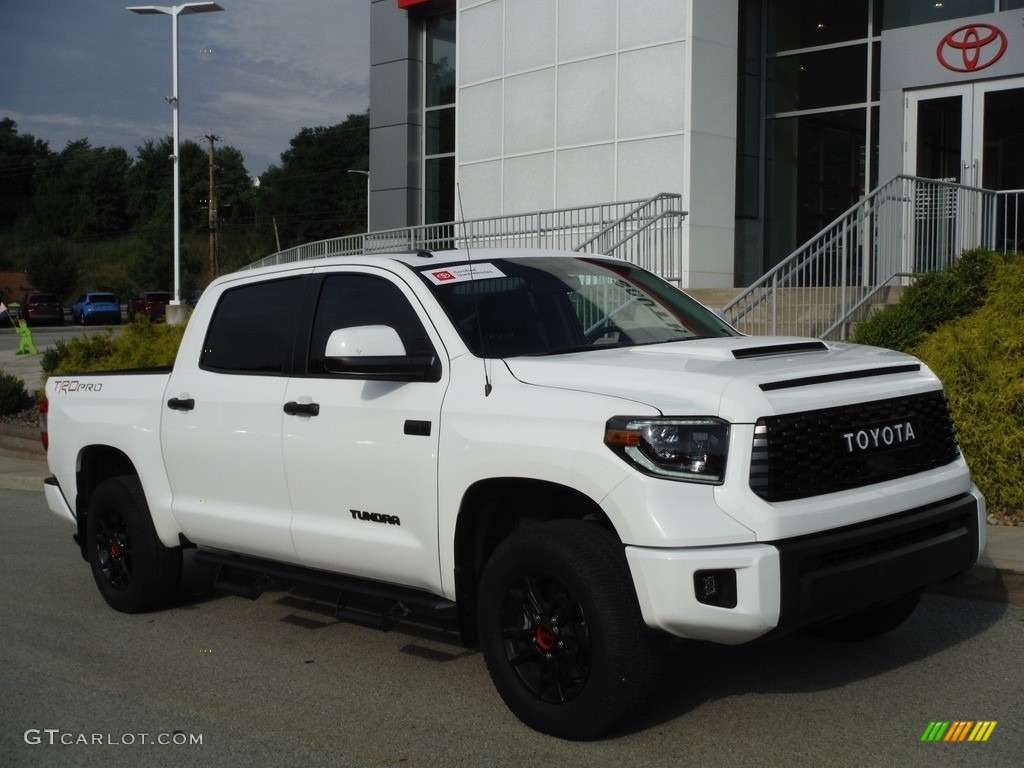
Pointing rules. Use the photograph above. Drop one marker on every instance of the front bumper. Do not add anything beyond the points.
(787, 584)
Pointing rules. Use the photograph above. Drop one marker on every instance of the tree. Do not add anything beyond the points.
(53, 268)
(83, 194)
(21, 158)
(311, 194)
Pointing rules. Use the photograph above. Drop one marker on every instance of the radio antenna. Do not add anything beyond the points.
(476, 295)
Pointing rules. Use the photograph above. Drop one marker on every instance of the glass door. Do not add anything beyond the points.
(939, 129)
(970, 134)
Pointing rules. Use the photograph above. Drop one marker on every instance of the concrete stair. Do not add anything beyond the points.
(20, 442)
(800, 311)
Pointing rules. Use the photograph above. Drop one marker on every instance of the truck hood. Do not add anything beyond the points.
(739, 379)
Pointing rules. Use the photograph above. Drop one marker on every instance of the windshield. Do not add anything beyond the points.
(545, 306)
(97, 298)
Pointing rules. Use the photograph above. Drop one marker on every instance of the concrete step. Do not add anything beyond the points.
(20, 442)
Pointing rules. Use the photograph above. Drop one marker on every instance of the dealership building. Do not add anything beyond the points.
(768, 118)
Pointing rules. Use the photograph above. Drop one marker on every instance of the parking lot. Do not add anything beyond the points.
(280, 682)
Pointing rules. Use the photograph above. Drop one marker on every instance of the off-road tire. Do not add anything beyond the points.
(133, 569)
(561, 630)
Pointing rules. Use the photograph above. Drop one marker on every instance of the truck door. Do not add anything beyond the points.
(361, 451)
(222, 424)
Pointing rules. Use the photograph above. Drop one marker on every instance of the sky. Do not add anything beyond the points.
(254, 75)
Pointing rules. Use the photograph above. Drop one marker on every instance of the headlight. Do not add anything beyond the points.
(692, 449)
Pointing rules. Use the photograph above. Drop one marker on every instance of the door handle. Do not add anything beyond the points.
(293, 408)
(180, 404)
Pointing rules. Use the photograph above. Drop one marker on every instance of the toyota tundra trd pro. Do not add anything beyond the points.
(562, 453)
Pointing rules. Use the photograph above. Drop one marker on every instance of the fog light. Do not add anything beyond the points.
(716, 588)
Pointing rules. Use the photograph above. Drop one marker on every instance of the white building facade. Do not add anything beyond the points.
(769, 117)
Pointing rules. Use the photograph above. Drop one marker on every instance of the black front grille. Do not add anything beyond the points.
(815, 452)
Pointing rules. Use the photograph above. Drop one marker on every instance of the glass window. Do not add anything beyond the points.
(352, 300)
(440, 131)
(439, 121)
(815, 171)
(253, 328)
(795, 24)
(440, 60)
(544, 306)
(439, 190)
(906, 13)
(820, 79)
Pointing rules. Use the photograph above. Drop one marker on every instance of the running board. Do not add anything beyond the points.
(366, 603)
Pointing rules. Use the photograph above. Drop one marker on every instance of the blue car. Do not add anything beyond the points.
(96, 307)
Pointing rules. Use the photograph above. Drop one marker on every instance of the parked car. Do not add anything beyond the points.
(96, 307)
(193, 299)
(149, 303)
(42, 308)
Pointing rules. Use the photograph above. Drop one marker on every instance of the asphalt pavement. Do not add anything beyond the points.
(998, 575)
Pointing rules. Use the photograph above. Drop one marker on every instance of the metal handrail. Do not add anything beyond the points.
(645, 232)
(907, 226)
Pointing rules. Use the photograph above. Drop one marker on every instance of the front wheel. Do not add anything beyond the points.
(561, 630)
(134, 571)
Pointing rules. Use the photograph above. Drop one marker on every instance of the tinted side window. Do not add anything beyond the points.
(350, 300)
(253, 328)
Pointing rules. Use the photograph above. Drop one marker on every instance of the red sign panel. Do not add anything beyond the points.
(971, 47)
(411, 3)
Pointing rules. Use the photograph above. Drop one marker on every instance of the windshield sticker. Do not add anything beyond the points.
(463, 273)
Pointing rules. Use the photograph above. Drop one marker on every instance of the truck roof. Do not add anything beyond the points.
(424, 257)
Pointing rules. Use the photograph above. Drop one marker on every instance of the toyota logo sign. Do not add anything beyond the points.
(971, 47)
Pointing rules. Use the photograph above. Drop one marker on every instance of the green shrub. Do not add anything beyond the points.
(980, 359)
(140, 344)
(932, 299)
(52, 356)
(13, 397)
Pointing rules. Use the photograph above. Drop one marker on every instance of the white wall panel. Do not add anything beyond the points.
(585, 175)
(479, 186)
(586, 28)
(586, 101)
(652, 85)
(480, 42)
(530, 112)
(480, 122)
(529, 183)
(529, 34)
(643, 22)
(649, 166)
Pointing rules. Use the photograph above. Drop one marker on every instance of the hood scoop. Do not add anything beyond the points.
(774, 350)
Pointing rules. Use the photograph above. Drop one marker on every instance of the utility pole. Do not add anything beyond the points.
(212, 208)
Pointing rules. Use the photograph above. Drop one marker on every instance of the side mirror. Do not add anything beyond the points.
(375, 352)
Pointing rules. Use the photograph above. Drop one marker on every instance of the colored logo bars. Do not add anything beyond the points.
(958, 730)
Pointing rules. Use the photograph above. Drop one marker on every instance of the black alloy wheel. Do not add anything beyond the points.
(132, 568)
(561, 630)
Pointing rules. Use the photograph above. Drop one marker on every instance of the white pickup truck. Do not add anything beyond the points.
(563, 453)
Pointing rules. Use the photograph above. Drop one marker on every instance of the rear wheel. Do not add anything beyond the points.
(869, 623)
(134, 571)
(561, 630)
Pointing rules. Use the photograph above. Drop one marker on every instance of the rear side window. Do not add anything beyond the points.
(253, 328)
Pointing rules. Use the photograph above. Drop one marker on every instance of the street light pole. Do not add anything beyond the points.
(175, 314)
